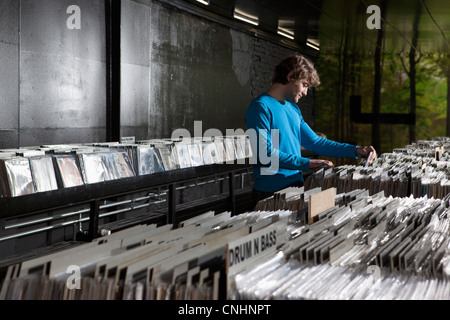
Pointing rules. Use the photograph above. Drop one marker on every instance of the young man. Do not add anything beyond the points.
(281, 131)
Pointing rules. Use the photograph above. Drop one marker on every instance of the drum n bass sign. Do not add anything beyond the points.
(251, 246)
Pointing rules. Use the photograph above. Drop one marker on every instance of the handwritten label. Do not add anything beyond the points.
(130, 140)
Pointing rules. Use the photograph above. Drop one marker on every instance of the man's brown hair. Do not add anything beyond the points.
(302, 68)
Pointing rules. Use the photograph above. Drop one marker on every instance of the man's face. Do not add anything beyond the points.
(298, 89)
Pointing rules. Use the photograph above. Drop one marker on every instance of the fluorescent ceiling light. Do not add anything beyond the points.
(245, 17)
(312, 44)
(286, 33)
(205, 2)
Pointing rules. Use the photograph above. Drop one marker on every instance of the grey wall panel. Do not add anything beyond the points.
(9, 74)
(9, 21)
(135, 69)
(61, 93)
(44, 28)
(135, 38)
(134, 98)
(139, 132)
(62, 72)
(194, 74)
(9, 139)
(177, 68)
(39, 136)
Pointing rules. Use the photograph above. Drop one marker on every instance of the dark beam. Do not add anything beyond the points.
(113, 21)
(378, 118)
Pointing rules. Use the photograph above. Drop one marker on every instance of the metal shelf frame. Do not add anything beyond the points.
(94, 195)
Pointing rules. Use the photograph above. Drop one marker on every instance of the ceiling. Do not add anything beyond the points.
(341, 25)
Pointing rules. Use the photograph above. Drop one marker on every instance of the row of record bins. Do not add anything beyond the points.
(419, 169)
(301, 243)
(362, 247)
(50, 167)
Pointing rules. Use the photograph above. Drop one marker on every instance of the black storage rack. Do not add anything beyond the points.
(93, 195)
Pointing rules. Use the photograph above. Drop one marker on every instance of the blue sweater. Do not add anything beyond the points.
(280, 165)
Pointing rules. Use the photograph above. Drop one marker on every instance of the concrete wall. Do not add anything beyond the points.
(62, 73)
(9, 73)
(177, 68)
(52, 78)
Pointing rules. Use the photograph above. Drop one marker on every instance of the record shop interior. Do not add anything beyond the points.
(128, 170)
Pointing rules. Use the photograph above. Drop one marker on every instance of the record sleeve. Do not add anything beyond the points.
(19, 180)
(117, 164)
(131, 151)
(154, 142)
(67, 171)
(123, 164)
(30, 153)
(4, 184)
(168, 156)
(240, 147)
(93, 168)
(6, 154)
(132, 154)
(148, 160)
(159, 165)
(43, 173)
(229, 149)
(209, 151)
(221, 155)
(183, 155)
(61, 149)
(195, 154)
(248, 148)
(111, 171)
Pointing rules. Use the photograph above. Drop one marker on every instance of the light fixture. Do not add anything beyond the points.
(313, 44)
(286, 33)
(205, 2)
(245, 17)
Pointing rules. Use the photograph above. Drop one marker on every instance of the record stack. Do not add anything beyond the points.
(142, 262)
(105, 165)
(50, 167)
(366, 246)
(157, 155)
(215, 150)
(373, 247)
(419, 169)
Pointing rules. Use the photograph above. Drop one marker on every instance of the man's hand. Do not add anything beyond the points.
(317, 164)
(365, 152)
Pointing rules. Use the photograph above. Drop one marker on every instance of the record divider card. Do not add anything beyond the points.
(248, 251)
(319, 203)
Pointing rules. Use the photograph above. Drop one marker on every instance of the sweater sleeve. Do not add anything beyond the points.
(264, 140)
(325, 147)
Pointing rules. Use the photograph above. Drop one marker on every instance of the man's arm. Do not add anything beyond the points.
(325, 147)
(258, 119)
(330, 148)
